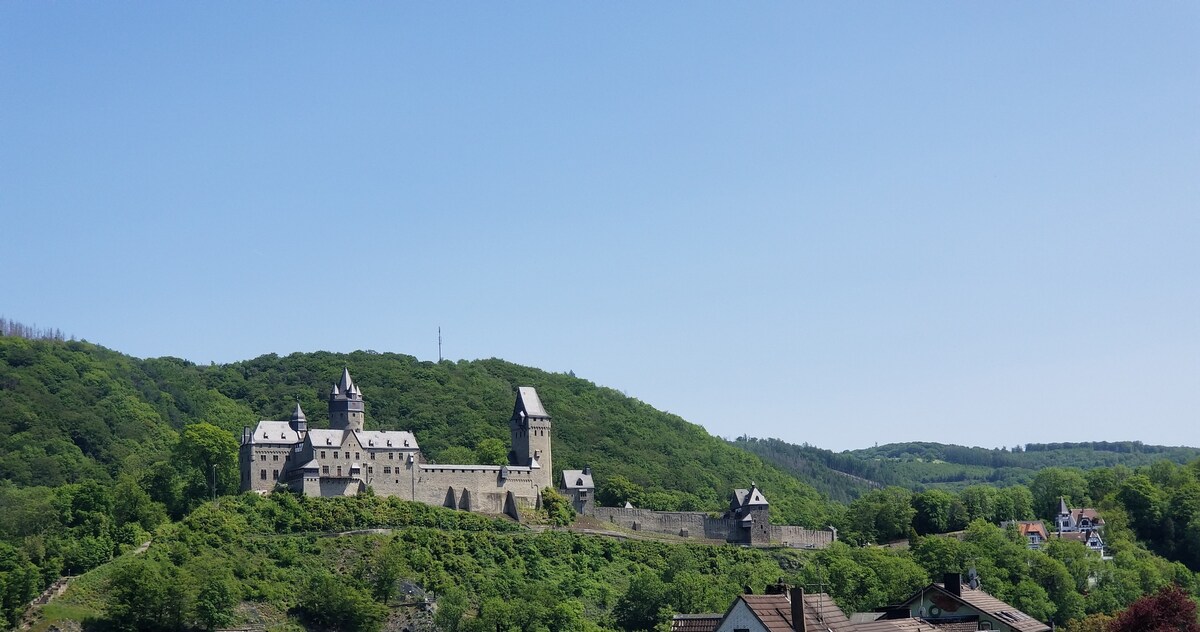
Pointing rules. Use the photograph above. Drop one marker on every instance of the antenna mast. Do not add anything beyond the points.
(439, 344)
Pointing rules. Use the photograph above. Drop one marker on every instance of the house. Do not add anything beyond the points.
(1034, 532)
(952, 602)
(779, 608)
(695, 622)
(579, 488)
(1071, 520)
(1089, 538)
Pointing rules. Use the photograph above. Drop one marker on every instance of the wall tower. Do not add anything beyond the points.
(530, 429)
(346, 404)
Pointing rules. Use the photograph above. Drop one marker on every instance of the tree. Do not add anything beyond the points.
(451, 607)
(492, 452)
(616, 490)
(1171, 610)
(642, 606)
(457, 455)
(932, 511)
(332, 602)
(558, 509)
(205, 450)
(1053, 483)
(215, 600)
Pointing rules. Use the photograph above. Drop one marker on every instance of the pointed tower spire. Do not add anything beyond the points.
(1062, 506)
(346, 404)
(298, 421)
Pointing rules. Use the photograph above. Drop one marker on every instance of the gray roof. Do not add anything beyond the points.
(323, 437)
(311, 465)
(576, 479)
(347, 382)
(298, 413)
(275, 432)
(399, 439)
(530, 403)
(748, 497)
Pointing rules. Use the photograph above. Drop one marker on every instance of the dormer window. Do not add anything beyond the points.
(265, 436)
(405, 443)
(328, 441)
(389, 443)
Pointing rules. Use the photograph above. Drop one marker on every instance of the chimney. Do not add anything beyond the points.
(953, 583)
(797, 595)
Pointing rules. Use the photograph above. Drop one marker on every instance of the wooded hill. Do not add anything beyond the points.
(921, 465)
(75, 411)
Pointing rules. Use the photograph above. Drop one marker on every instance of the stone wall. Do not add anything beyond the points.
(694, 524)
(698, 524)
(801, 538)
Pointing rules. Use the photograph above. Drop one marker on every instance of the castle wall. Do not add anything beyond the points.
(695, 524)
(698, 524)
(482, 486)
(801, 538)
(339, 486)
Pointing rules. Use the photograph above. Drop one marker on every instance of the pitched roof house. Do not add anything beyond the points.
(776, 612)
(951, 602)
(1034, 532)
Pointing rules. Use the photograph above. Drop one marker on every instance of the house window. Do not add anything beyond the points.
(985, 625)
(325, 469)
(262, 475)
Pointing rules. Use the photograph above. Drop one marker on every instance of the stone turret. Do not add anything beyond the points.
(298, 422)
(346, 404)
(530, 429)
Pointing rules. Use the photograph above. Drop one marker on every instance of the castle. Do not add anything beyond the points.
(344, 459)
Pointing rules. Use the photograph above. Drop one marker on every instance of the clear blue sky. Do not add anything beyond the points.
(843, 224)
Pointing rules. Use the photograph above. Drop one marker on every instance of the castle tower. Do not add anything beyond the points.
(530, 429)
(346, 404)
(298, 422)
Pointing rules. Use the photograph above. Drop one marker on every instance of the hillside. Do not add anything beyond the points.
(74, 411)
(921, 465)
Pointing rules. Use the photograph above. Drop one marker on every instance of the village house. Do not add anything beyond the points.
(1081, 525)
(953, 602)
(1034, 532)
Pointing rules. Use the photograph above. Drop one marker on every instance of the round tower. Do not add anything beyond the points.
(346, 404)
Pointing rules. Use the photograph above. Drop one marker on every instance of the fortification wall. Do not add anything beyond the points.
(474, 488)
(695, 524)
(801, 538)
(340, 486)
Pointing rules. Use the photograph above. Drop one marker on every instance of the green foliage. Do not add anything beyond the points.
(559, 511)
(332, 603)
(882, 515)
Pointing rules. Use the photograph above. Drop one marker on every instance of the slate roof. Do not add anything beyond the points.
(577, 479)
(326, 437)
(821, 614)
(274, 432)
(401, 439)
(1091, 514)
(298, 413)
(747, 497)
(532, 404)
(695, 622)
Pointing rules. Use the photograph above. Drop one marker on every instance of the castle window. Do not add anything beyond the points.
(325, 469)
(391, 455)
(322, 454)
(339, 470)
(274, 457)
(370, 469)
(387, 470)
(275, 474)
(356, 456)
(372, 456)
(262, 475)
(347, 456)
(262, 457)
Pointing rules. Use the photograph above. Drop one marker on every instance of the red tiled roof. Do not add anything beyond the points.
(695, 622)
(820, 613)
